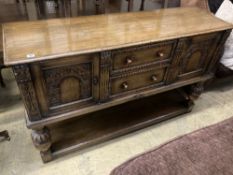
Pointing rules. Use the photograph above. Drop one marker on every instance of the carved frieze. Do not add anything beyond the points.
(172, 74)
(105, 66)
(25, 84)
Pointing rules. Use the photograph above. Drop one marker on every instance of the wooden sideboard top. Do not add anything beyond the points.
(26, 42)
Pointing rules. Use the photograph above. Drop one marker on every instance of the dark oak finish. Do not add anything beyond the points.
(90, 82)
(109, 123)
(1, 59)
(2, 84)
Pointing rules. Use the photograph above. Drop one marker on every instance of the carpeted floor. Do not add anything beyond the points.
(207, 151)
(19, 157)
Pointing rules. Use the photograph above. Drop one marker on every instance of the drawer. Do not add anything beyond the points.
(134, 56)
(127, 82)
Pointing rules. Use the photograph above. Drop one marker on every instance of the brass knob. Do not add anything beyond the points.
(160, 54)
(154, 78)
(129, 60)
(125, 85)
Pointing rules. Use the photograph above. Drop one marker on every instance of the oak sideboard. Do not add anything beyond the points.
(89, 79)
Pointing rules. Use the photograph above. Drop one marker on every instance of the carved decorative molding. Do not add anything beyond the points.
(105, 66)
(146, 67)
(173, 71)
(54, 78)
(25, 84)
(138, 71)
(146, 46)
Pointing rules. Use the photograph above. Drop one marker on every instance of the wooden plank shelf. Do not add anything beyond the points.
(76, 134)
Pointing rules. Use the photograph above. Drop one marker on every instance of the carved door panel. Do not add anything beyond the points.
(196, 55)
(66, 84)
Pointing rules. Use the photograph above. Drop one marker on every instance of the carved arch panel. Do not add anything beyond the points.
(68, 77)
(194, 59)
(196, 55)
(66, 84)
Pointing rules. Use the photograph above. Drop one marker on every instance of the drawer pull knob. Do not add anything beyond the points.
(160, 54)
(125, 85)
(154, 78)
(129, 60)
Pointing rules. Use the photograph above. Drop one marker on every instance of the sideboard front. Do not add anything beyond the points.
(67, 84)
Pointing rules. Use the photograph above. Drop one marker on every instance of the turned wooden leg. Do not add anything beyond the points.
(1, 79)
(191, 93)
(196, 90)
(189, 103)
(42, 140)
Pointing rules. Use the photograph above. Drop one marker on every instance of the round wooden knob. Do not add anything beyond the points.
(154, 78)
(160, 54)
(129, 60)
(125, 85)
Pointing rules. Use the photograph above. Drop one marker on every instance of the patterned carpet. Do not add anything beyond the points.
(207, 151)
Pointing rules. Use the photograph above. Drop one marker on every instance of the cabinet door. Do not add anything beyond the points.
(192, 56)
(197, 54)
(66, 84)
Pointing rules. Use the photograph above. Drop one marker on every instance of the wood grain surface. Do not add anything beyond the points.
(47, 39)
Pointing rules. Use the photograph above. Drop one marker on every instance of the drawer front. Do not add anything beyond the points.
(134, 56)
(125, 83)
(65, 84)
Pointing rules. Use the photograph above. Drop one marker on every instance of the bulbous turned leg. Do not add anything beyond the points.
(188, 102)
(196, 90)
(191, 93)
(42, 140)
(1, 79)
